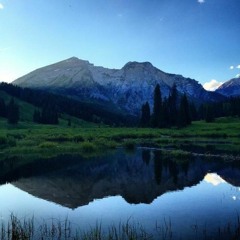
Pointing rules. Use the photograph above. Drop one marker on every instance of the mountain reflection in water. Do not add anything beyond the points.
(143, 185)
(139, 177)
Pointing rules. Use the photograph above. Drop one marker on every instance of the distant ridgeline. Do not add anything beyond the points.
(50, 106)
(176, 110)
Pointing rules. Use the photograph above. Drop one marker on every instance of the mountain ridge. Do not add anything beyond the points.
(127, 88)
(230, 88)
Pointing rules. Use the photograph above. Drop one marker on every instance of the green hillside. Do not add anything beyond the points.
(26, 109)
(55, 103)
(26, 115)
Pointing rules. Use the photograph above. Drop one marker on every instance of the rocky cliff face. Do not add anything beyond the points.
(230, 88)
(127, 88)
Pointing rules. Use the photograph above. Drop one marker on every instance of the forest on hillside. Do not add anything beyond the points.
(50, 106)
(174, 111)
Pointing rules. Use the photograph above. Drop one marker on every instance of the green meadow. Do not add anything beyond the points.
(26, 138)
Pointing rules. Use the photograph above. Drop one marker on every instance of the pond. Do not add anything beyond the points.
(172, 199)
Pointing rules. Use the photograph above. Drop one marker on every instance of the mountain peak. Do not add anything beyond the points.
(74, 60)
(231, 82)
(230, 88)
(134, 64)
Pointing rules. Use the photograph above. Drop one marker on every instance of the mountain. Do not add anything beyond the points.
(230, 88)
(126, 88)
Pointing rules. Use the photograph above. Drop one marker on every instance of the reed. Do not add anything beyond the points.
(54, 229)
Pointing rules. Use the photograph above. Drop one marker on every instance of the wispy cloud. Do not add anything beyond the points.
(231, 67)
(1, 6)
(201, 1)
(212, 85)
(238, 67)
(238, 76)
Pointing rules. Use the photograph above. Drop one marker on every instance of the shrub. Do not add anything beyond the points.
(129, 144)
(216, 135)
(17, 136)
(3, 140)
(104, 143)
(111, 144)
(78, 138)
(47, 145)
(11, 142)
(88, 147)
(58, 138)
(7, 141)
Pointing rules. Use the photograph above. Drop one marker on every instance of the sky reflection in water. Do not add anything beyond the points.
(212, 202)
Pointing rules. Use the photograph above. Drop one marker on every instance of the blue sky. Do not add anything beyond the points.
(196, 38)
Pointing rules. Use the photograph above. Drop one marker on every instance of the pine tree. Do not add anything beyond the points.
(12, 112)
(209, 114)
(37, 116)
(227, 108)
(172, 105)
(166, 113)
(193, 112)
(145, 117)
(157, 108)
(3, 109)
(142, 120)
(49, 113)
(184, 118)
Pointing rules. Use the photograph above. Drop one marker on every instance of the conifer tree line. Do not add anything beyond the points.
(228, 108)
(48, 115)
(51, 103)
(177, 111)
(168, 112)
(9, 111)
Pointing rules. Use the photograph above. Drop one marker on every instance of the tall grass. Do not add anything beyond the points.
(26, 229)
(53, 229)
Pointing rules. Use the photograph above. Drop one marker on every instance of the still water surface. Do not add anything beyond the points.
(140, 187)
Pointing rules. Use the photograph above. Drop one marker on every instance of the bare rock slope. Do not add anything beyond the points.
(127, 88)
(230, 88)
